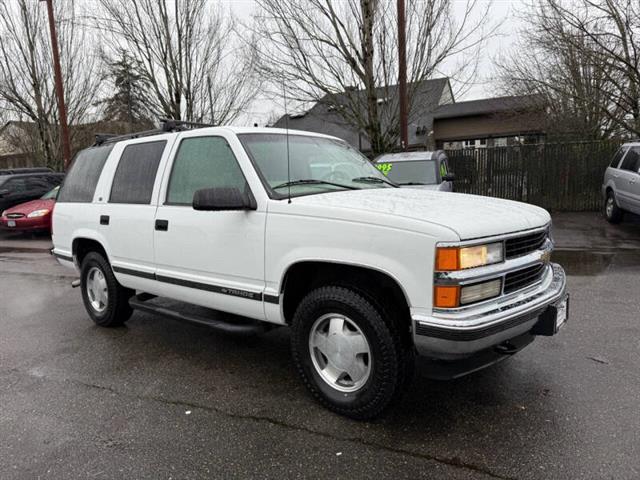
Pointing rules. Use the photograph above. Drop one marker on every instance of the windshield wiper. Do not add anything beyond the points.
(374, 180)
(311, 181)
(413, 183)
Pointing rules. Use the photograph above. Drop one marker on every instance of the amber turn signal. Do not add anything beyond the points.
(446, 296)
(447, 259)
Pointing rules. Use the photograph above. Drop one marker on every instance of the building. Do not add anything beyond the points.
(436, 120)
(324, 117)
(491, 122)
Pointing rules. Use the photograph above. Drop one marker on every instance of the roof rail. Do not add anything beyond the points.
(166, 125)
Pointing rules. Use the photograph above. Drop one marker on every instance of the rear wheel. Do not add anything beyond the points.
(612, 212)
(106, 301)
(348, 352)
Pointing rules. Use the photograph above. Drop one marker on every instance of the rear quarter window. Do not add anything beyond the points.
(80, 183)
(616, 158)
(136, 173)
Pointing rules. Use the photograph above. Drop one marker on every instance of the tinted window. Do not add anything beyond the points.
(616, 158)
(203, 162)
(18, 184)
(136, 173)
(632, 160)
(37, 183)
(80, 183)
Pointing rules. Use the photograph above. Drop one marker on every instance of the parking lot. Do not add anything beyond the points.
(158, 399)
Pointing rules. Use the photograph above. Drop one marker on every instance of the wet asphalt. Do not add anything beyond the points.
(159, 399)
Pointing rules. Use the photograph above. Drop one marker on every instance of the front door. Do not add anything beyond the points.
(209, 258)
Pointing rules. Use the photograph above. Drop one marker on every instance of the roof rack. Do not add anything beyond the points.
(167, 125)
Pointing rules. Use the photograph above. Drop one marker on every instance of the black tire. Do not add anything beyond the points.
(391, 360)
(117, 310)
(612, 212)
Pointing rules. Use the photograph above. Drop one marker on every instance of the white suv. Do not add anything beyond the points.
(299, 229)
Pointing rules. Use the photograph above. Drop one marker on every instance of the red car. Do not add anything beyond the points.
(31, 216)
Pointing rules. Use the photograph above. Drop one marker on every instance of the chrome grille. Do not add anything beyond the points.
(518, 246)
(523, 278)
(15, 215)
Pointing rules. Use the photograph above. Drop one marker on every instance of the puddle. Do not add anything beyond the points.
(580, 262)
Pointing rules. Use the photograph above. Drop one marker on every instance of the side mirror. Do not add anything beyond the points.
(449, 177)
(217, 199)
(3, 193)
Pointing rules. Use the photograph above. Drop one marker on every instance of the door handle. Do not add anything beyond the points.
(104, 219)
(162, 225)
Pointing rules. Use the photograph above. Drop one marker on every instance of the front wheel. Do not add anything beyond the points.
(106, 301)
(612, 212)
(348, 356)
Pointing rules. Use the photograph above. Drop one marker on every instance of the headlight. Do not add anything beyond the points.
(38, 213)
(459, 258)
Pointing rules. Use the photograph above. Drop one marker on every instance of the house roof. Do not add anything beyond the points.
(323, 117)
(489, 106)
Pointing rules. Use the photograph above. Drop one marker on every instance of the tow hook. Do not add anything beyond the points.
(506, 348)
(75, 283)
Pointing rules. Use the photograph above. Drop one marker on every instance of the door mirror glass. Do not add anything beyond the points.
(223, 198)
(449, 177)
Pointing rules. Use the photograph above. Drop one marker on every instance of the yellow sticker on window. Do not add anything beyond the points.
(385, 168)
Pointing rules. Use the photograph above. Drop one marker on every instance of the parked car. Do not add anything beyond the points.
(13, 171)
(621, 185)
(364, 273)
(428, 170)
(33, 216)
(19, 188)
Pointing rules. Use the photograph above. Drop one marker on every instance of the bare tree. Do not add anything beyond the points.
(26, 73)
(187, 52)
(554, 61)
(344, 53)
(585, 56)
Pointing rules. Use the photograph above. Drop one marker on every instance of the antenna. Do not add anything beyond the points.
(286, 126)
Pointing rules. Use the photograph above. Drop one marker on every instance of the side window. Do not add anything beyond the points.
(202, 162)
(616, 158)
(631, 160)
(81, 180)
(136, 173)
(36, 183)
(16, 185)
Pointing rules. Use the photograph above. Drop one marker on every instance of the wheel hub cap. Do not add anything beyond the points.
(340, 352)
(97, 290)
(609, 206)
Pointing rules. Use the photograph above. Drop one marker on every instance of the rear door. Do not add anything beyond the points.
(128, 207)
(209, 258)
(628, 182)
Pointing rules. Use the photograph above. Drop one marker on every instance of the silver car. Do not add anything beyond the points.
(429, 170)
(621, 186)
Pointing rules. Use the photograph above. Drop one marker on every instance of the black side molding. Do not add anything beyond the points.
(234, 292)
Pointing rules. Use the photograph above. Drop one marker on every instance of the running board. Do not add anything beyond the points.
(248, 327)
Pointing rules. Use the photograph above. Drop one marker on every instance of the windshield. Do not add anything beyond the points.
(51, 194)
(313, 161)
(421, 172)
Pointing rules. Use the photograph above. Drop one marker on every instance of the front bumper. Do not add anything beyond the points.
(25, 224)
(456, 335)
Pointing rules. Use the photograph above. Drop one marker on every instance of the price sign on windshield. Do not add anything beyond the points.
(385, 168)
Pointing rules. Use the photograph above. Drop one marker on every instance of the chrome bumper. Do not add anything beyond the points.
(458, 334)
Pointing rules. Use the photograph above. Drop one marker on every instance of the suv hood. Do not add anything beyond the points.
(470, 216)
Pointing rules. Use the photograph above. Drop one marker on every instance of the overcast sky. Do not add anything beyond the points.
(502, 11)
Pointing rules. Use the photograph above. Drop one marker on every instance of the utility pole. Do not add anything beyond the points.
(402, 76)
(64, 128)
